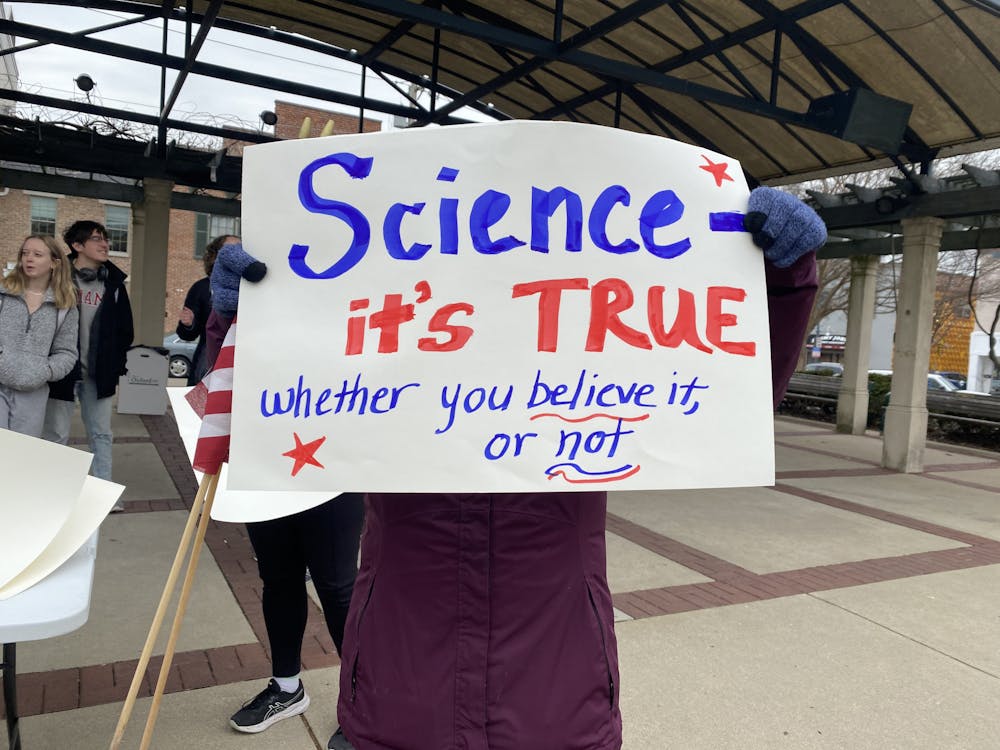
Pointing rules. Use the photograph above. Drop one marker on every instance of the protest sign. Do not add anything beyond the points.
(523, 306)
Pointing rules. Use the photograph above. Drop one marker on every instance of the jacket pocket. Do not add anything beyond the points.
(604, 647)
(357, 648)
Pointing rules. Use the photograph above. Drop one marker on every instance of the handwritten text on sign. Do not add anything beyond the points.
(515, 307)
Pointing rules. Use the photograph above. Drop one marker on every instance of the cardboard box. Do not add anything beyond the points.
(143, 389)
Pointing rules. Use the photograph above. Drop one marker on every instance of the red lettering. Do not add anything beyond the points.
(459, 335)
(356, 329)
(608, 298)
(549, 296)
(685, 327)
(388, 319)
(717, 320)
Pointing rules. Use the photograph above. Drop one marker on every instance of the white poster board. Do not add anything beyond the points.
(42, 481)
(49, 508)
(237, 506)
(516, 307)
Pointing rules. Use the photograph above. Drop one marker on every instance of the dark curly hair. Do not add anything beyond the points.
(212, 250)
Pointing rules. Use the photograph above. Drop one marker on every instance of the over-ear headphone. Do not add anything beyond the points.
(90, 274)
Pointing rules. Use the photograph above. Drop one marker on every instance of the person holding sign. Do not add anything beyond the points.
(38, 332)
(232, 263)
(325, 540)
(485, 621)
(197, 306)
(322, 540)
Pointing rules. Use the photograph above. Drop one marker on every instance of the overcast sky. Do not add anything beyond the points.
(51, 70)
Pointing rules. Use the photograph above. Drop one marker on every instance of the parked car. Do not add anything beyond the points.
(958, 379)
(935, 381)
(181, 354)
(938, 382)
(833, 369)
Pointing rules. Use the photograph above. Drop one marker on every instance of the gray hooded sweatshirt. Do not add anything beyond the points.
(35, 348)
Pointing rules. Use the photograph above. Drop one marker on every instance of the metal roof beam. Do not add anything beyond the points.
(601, 28)
(913, 146)
(207, 69)
(950, 241)
(605, 67)
(191, 55)
(113, 191)
(946, 204)
(86, 32)
(121, 114)
(724, 42)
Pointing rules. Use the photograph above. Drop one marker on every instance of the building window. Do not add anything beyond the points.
(43, 215)
(117, 220)
(209, 226)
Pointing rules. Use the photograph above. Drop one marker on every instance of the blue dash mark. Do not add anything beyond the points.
(726, 221)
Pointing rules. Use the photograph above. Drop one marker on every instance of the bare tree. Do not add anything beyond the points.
(967, 277)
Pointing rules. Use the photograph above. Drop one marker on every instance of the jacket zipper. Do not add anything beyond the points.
(604, 648)
(357, 652)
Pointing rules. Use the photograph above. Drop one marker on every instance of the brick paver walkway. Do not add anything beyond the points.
(59, 690)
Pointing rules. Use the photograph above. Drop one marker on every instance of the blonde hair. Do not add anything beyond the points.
(61, 281)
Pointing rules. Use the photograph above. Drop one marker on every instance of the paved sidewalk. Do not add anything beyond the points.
(846, 607)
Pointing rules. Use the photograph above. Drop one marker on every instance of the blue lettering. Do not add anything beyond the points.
(390, 233)
(320, 410)
(278, 407)
(448, 215)
(351, 397)
(488, 209)
(449, 404)
(662, 209)
(543, 205)
(598, 224)
(491, 453)
(358, 168)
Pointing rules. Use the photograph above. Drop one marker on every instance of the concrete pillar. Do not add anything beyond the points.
(906, 417)
(852, 404)
(150, 236)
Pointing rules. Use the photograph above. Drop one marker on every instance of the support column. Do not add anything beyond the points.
(906, 417)
(150, 238)
(852, 404)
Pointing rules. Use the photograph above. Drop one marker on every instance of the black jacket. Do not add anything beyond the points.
(114, 337)
(199, 302)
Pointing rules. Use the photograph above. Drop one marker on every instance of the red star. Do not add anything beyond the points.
(718, 171)
(304, 453)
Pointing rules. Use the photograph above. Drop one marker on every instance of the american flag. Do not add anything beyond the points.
(212, 399)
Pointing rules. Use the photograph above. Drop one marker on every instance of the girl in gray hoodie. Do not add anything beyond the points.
(38, 332)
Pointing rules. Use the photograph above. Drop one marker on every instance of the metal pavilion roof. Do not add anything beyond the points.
(737, 77)
(792, 88)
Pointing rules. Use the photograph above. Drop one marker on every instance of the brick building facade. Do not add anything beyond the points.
(24, 212)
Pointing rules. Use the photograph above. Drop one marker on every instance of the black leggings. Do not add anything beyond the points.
(325, 539)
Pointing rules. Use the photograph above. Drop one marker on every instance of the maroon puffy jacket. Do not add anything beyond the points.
(484, 622)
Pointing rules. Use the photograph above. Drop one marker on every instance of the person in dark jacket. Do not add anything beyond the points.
(197, 306)
(485, 621)
(106, 331)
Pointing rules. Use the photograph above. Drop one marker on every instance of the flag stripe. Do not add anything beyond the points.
(212, 449)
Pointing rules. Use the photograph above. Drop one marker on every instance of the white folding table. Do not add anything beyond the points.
(57, 605)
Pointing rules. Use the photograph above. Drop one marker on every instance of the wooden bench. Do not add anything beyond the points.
(967, 408)
(822, 389)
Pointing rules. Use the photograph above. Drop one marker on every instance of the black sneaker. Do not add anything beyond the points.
(270, 706)
(339, 741)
